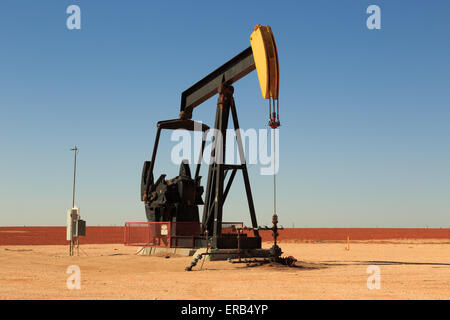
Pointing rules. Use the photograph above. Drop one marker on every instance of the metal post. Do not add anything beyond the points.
(219, 168)
(248, 189)
(239, 243)
(72, 240)
(75, 151)
(210, 185)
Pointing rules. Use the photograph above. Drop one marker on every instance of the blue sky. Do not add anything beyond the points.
(365, 114)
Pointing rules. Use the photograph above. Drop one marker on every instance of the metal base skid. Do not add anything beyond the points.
(226, 254)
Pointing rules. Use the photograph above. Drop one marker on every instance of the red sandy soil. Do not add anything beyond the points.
(113, 235)
(409, 269)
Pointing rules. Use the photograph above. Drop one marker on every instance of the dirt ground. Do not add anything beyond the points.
(409, 269)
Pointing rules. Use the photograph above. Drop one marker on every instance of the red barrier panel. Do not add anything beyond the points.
(361, 234)
(155, 234)
(57, 235)
(168, 234)
(231, 227)
(104, 235)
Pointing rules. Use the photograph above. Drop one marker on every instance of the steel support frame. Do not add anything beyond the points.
(215, 193)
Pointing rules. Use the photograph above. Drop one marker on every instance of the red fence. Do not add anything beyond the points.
(154, 234)
(231, 227)
(103, 235)
(161, 234)
(57, 235)
(168, 234)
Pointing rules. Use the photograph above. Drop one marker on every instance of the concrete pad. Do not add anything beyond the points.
(224, 254)
(148, 251)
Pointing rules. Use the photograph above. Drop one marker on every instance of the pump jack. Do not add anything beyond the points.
(177, 200)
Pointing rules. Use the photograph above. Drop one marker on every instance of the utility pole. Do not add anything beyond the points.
(73, 215)
(75, 151)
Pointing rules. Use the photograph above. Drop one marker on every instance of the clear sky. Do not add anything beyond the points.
(365, 114)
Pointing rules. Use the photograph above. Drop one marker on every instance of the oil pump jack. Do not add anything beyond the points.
(177, 199)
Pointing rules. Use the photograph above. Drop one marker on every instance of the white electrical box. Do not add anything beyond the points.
(73, 215)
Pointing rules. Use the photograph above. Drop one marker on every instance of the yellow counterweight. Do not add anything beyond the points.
(266, 60)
